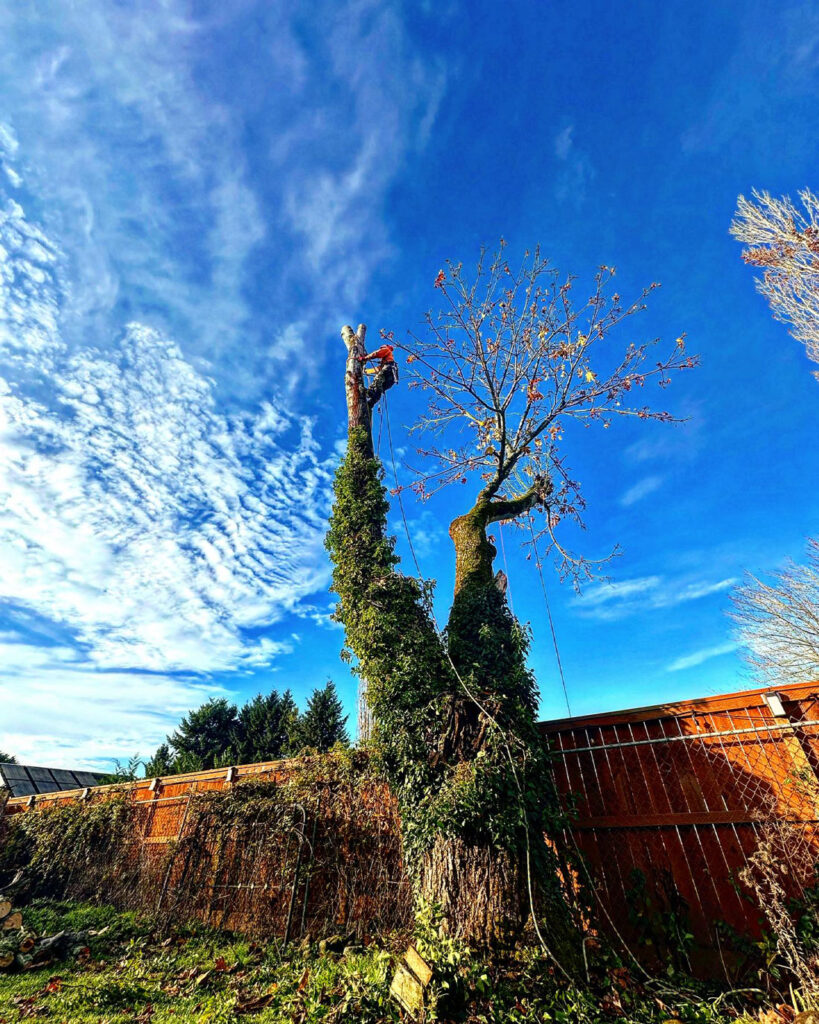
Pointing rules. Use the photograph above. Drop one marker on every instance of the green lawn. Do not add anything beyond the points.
(131, 975)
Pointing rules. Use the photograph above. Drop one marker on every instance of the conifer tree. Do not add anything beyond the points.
(162, 763)
(206, 737)
(264, 727)
(323, 723)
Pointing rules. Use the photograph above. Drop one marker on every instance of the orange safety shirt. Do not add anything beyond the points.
(384, 354)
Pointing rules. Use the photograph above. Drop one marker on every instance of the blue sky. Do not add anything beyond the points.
(196, 196)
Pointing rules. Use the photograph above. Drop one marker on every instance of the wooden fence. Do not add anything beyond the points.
(678, 798)
(322, 859)
(669, 802)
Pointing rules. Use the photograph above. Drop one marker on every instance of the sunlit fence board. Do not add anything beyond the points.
(676, 798)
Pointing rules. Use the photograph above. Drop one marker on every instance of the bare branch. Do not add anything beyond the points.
(778, 622)
(784, 242)
(512, 357)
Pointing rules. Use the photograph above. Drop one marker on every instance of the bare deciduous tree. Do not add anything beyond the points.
(778, 622)
(784, 241)
(509, 363)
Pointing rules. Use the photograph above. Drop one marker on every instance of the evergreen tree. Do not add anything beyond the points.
(206, 737)
(7, 758)
(162, 763)
(291, 725)
(323, 723)
(265, 724)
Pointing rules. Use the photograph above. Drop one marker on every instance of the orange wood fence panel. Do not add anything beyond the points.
(681, 792)
(684, 793)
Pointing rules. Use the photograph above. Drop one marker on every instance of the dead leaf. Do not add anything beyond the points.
(253, 1004)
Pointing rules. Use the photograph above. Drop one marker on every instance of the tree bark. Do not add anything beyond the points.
(479, 890)
(484, 888)
(358, 411)
(474, 552)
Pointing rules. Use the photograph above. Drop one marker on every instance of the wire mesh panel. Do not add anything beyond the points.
(284, 849)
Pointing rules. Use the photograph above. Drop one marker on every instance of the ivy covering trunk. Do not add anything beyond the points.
(455, 713)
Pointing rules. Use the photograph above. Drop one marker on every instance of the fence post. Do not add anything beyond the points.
(295, 874)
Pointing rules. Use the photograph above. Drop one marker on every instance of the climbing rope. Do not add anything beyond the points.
(385, 416)
(506, 569)
(549, 615)
(380, 428)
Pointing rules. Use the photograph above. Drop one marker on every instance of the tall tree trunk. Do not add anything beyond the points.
(485, 888)
(442, 727)
(358, 411)
(478, 885)
(474, 552)
(479, 889)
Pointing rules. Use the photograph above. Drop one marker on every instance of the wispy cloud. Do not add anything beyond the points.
(640, 490)
(609, 601)
(368, 117)
(698, 657)
(576, 170)
(73, 718)
(777, 44)
(134, 135)
(141, 173)
(159, 535)
(162, 494)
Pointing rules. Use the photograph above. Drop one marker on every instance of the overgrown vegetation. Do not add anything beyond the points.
(314, 852)
(86, 848)
(132, 973)
(426, 692)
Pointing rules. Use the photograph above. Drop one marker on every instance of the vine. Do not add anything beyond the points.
(455, 714)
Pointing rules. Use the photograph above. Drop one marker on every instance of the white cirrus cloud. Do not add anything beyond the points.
(698, 657)
(610, 601)
(576, 169)
(158, 535)
(210, 197)
(154, 526)
(67, 718)
(640, 490)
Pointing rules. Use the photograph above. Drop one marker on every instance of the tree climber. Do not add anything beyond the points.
(385, 376)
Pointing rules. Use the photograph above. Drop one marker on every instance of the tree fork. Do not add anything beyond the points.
(473, 864)
(474, 553)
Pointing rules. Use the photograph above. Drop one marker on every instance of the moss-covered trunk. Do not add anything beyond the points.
(487, 878)
(474, 553)
(456, 717)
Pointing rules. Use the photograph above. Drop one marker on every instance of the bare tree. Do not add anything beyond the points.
(784, 241)
(509, 363)
(778, 622)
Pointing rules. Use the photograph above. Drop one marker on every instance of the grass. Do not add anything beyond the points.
(132, 975)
